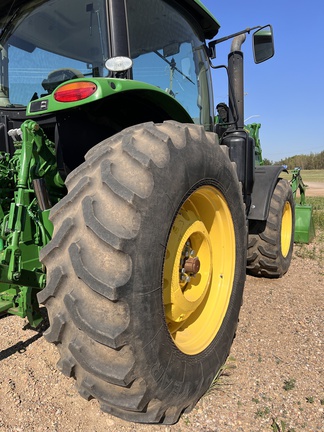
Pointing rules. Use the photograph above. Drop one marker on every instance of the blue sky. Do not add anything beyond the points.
(286, 93)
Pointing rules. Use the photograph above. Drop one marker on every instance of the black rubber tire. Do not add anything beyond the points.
(105, 268)
(265, 251)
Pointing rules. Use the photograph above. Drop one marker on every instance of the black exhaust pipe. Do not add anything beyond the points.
(240, 144)
(236, 82)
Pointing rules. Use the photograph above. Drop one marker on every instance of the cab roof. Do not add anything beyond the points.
(196, 8)
(207, 21)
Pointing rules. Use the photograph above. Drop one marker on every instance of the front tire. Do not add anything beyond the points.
(146, 270)
(270, 244)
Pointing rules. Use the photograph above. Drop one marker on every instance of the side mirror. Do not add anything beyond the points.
(263, 46)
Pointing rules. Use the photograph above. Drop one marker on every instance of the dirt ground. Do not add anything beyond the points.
(315, 189)
(274, 380)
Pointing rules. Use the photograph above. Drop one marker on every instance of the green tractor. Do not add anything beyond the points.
(121, 210)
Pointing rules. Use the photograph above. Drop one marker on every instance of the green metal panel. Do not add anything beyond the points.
(24, 228)
(304, 224)
(111, 87)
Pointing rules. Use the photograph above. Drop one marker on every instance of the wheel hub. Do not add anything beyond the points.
(188, 291)
(192, 265)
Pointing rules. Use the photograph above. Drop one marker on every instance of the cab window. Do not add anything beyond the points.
(169, 52)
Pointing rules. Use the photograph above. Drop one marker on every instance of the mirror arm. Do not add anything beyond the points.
(213, 43)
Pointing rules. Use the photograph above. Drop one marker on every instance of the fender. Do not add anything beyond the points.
(114, 105)
(265, 181)
(113, 95)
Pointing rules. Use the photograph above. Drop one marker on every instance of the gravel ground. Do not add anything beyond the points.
(276, 374)
(273, 381)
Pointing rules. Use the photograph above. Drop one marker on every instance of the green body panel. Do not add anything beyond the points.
(304, 224)
(253, 130)
(107, 87)
(25, 228)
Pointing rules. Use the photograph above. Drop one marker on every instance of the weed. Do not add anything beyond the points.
(217, 382)
(289, 384)
(255, 400)
(322, 401)
(262, 412)
(275, 426)
(186, 420)
(280, 428)
(310, 399)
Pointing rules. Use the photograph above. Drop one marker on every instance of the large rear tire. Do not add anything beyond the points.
(146, 270)
(270, 244)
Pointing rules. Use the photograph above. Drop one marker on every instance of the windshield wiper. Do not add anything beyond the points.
(173, 66)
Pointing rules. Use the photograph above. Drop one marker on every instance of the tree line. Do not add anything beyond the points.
(305, 162)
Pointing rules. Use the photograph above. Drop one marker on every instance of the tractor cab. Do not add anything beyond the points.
(45, 44)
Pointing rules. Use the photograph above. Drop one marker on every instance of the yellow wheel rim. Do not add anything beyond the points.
(199, 270)
(286, 229)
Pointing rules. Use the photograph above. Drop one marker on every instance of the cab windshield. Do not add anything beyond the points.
(168, 51)
(44, 45)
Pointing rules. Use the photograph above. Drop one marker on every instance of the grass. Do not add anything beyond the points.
(262, 412)
(307, 176)
(217, 382)
(318, 211)
(310, 399)
(312, 175)
(282, 427)
(289, 384)
(314, 250)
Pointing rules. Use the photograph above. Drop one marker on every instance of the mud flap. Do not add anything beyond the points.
(265, 181)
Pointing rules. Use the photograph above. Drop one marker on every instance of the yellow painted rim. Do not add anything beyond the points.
(286, 229)
(196, 297)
